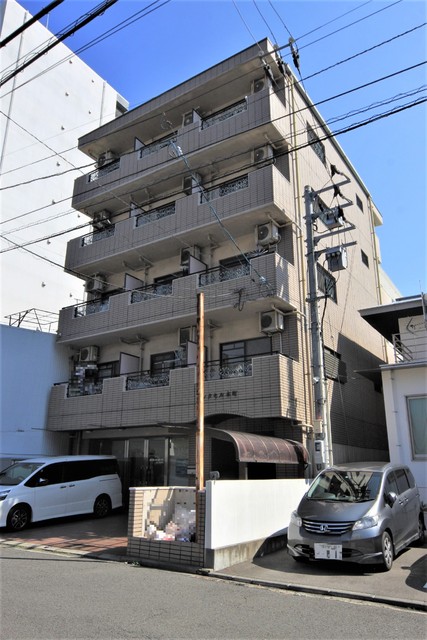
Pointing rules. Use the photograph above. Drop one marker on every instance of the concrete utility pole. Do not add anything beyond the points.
(200, 435)
(322, 446)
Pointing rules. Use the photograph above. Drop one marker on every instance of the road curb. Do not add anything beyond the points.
(351, 595)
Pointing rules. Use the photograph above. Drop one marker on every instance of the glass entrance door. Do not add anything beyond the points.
(147, 462)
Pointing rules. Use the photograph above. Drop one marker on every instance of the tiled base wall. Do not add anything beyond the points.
(146, 501)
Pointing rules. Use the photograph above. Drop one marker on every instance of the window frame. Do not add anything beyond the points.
(414, 444)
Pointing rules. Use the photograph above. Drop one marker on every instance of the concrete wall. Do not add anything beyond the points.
(398, 383)
(31, 362)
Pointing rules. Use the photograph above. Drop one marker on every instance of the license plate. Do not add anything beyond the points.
(324, 551)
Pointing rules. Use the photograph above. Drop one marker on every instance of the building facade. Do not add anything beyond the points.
(44, 110)
(404, 378)
(202, 190)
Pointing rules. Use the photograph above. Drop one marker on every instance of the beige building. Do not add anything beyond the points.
(201, 189)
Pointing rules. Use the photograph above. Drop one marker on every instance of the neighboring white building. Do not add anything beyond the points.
(404, 324)
(31, 362)
(44, 110)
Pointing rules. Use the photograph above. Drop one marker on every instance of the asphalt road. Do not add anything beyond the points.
(51, 597)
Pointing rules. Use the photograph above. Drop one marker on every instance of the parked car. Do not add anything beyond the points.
(44, 488)
(361, 512)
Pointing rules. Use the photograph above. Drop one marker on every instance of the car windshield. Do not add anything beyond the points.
(345, 486)
(17, 472)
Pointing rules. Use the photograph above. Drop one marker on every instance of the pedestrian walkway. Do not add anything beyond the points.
(405, 585)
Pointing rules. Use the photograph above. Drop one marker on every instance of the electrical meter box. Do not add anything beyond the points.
(319, 452)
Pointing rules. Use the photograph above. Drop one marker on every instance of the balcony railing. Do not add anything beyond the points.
(88, 308)
(217, 370)
(147, 380)
(221, 274)
(224, 114)
(98, 235)
(103, 171)
(151, 292)
(224, 189)
(155, 214)
(156, 146)
(85, 388)
(410, 349)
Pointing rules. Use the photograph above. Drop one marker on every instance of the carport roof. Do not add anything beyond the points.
(251, 447)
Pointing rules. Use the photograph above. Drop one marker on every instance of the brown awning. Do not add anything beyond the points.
(251, 447)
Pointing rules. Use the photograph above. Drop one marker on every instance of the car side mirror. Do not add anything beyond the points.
(390, 498)
(42, 482)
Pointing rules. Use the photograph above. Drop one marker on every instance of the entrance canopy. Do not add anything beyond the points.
(251, 447)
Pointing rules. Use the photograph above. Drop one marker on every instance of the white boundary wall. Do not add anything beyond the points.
(239, 512)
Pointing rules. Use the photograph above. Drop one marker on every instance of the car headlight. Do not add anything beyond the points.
(366, 523)
(295, 519)
(3, 495)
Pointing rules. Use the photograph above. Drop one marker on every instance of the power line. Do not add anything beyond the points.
(30, 22)
(79, 24)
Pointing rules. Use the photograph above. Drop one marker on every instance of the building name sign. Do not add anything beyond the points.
(221, 395)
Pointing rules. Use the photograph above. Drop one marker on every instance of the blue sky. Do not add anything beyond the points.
(181, 38)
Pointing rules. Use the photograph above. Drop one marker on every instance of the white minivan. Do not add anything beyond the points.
(43, 488)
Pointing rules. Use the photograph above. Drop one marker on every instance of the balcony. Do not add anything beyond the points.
(230, 296)
(242, 203)
(410, 348)
(245, 125)
(267, 386)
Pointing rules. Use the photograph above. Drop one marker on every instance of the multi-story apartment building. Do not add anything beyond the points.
(201, 189)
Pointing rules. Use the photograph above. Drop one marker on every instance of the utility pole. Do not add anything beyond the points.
(200, 435)
(322, 445)
(334, 220)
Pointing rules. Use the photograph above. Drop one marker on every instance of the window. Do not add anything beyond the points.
(317, 146)
(417, 412)
(359, 202)
(402, 481)
(365, 258)
(235, 355)
(335, 367)
(161, 362)
(326, 283)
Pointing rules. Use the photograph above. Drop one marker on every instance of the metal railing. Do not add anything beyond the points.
(413, 348)
(147, 380)
(224, 189)
(103, 171)
(224, 114)
(88, 308)
(76, 390)
(156, 146)
(155, 214)
(222, 274)
(98, 235)
(151, 292)
(223, 371)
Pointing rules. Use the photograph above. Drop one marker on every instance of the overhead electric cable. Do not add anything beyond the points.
(58, 38)
(52, 5)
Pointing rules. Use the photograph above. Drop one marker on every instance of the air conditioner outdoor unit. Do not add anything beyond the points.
(337, 258)
(259, 84)
(89, 354)
(271, 321)
(101, 219)
(95, 283)
(190, 184)
(267, 233)
(263, 153)
(106, 158)
(188, 252)
(190, 118)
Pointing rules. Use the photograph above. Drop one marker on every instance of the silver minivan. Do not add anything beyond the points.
(44, 488)
(360, 512)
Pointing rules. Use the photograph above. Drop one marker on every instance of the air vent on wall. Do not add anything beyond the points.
(267, 233)
(89, 354)
(271, 321)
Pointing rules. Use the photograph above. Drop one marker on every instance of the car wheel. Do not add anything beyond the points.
(102, 506)
(421, 532)
(18, 517)
(387, 551)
